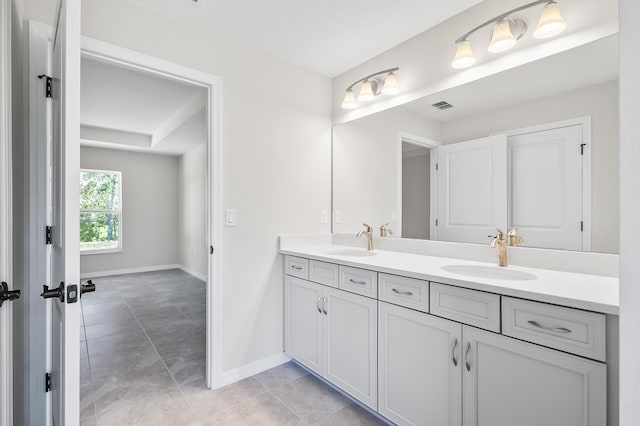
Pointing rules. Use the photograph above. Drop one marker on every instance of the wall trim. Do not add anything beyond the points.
(198, 275)
(98, 274)
(248, 370)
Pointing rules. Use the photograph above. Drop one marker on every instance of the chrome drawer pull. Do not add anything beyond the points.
(556, 329)
(351, 280)
(299, 268)
(324, 305)
(467, 364)
(453, 352)
(318, 304)
(404, 293)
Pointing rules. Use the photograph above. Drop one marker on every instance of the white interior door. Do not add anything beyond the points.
(65, 257)
(545, 187)
(472, 189)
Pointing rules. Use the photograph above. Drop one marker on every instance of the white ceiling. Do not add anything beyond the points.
(597, 62)
(123, 108)
(325, 36)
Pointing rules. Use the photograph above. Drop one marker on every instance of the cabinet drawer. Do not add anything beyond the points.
(570, 330)
(323, 273)
(296, 266)
(467, 306)
(403, 291)
(360, 281)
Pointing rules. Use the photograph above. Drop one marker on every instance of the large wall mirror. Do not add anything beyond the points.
(534, 147)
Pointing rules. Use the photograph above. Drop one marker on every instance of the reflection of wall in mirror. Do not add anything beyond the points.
(416, 169)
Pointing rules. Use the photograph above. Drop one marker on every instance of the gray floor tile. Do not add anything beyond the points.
(185, 370)
(311, 399)
(110, 328)
(352, 415)
(101, 317)
(208, 403)
(281, 375)
(266, 410)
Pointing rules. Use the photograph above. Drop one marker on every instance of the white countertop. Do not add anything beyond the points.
(582, 291)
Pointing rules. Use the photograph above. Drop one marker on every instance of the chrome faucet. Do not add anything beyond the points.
(367, 232)
(499, 244)
(384, 231)
(513, 238)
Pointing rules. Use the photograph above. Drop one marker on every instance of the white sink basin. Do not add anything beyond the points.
(352, 252)
(491, 272)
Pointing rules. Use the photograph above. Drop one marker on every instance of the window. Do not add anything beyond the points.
(100, 211)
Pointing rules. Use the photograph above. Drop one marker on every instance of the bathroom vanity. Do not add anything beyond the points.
(427, 340)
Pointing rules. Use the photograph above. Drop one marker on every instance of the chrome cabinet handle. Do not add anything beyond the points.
(467, 364)
(453, 352)
(318, 304)
(299, 268)
(404, 293)
(556, 329)
(351, 280)
(324, 305)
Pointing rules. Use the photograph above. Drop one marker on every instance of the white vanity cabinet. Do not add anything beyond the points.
(419, 377)
(509, 382)
(334, 333)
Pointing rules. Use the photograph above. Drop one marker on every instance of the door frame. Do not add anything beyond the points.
(6, 235)
(431, 145)
(585, 122)
(105, 52)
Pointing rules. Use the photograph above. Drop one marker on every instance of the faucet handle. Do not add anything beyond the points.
(369, 228)
(384, 231)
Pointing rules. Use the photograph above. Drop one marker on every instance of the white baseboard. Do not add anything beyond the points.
(244, 371)
(194, 273)
(98, 274)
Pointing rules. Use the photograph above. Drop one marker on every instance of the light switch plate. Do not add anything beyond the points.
(324, 216)
(231, 217)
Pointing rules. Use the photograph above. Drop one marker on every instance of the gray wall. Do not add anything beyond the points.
(629, 208)
(416, 202)
(149, 209)
(192, 211)
(601, 103)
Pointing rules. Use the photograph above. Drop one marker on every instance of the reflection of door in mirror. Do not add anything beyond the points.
(417, 187)
(536, 178)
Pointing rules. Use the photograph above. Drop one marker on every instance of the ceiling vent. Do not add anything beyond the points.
(442, 105)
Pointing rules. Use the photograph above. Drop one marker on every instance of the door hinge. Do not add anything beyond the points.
(47, 382)
(581, 226)
(48, 82)
(48, 235)
(582, 145)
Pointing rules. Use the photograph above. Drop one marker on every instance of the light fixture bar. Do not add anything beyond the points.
(499, 17)
(373, 75)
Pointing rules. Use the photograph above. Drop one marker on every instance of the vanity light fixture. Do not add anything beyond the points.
(508, 30)
(371, 86)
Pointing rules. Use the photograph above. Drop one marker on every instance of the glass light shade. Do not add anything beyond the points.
(390, 85)
(502, 38)
(366, 92)
(349, 101)
(551, 22)
(464, 55)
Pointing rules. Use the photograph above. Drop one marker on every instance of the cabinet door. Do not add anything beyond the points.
(420, 376)
(509, 382)
(351, 359)
(304, 322)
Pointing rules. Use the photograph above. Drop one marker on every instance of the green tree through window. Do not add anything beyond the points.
(100, 210)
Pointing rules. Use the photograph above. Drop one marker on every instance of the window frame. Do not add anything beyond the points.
(118, 211)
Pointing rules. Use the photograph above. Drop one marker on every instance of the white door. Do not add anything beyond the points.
(472, 189)
(545, 187)
(65, 257)
(420, 375)
(303, 334)
(509, 382)
(351, 344)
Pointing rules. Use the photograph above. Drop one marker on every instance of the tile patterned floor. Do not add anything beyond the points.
(143, 358)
